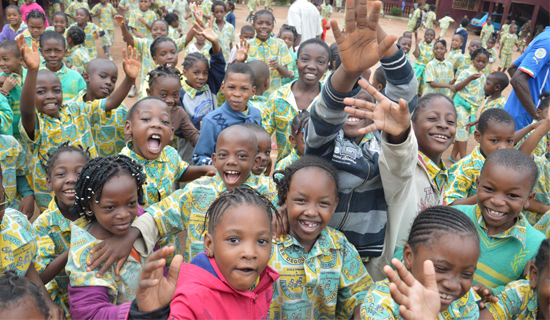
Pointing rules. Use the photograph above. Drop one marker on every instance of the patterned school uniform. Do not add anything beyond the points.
(15, 170)
(379, 304)
(292, 67)
(270, 49)
(72, 82)
(417, 14)
(487, 31)
(182, 6)
(106, 22)
(149, 16)
(504, 30)
(517, 301)
(338, 4)
(226, 36)
(259, 102)
(524, 32)
(499, 103)
(78, 58)
(489, 67)
(52, 28)
(326, 283)
(107, 126)
(132, 5)
(430, 17)
(29, 39)
(542, 185)
(426, 54)
(17, 243)
(73, 125)
(173, 33)
(73, 6)
(192, 48)
(441, 72)
(252, 4)
(53, 237)
(444, 25)
(14, 100)
(185, 209)
(507, 42)
(453, 56)
(92, 31)
(288, 160)
(463, 175)
(461, 61)
(543, 225)
(326, 10)
(205, 10)
(467, 101)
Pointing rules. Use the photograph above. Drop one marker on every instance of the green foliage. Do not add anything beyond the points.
(395, 11)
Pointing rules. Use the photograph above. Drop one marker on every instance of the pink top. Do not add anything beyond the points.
(26, 8)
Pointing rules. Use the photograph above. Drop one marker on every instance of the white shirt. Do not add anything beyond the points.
(305, 18)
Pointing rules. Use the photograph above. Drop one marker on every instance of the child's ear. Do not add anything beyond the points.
(257, 161)
(498, 88)
(86, 77)
(408, 256)
(148, 92)
(267, 82)
(208, 245)
(172, 135)
(529, 199)
(222, 88)
(49, 184)
(128, 128)
(253, 90)
(213, 159)
(379, 87)
(184, 73)
(292, 140)
(533, 275)
(477, 136)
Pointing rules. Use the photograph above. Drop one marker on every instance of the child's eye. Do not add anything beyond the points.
(494, 140)
(60, 175)
(108, 208)
(488, 189)
(450, 122)
(165, 122)
(233, 240)
(299, 200)
(145, 119)
(132, 203)
(263, 241)
(57, 91)
(325, 204)
(513, 196)
(468, 275)
(163, 95)
(242, 156)
(440, 269)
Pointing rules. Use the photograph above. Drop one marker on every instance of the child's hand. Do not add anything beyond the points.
(9, 84)
(130, 62)
(210, 171)
(471, 124)
(31, 58)
(291, 74)
(485, 293)
(120, 20)
(140, 19)
(242, 51)
(27, 206)
(154, 290)
(358, 46)
(475, 76)
(207, 32)
(387, 115)
(416, 302)
(273, 64)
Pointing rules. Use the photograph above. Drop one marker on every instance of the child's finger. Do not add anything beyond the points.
(362, 104)
(386, 44)
(373, 92)
(397, 295)
(362, 15)
(148, 283)
(175, 266)
(404, 274)
(350, 16)
(406, 313)
(430, 281)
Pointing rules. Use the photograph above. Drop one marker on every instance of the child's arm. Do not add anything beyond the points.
(140, 19)
(206, 146)
(537, 206)
(56, 313)
(461, 85)
(6, 115)
(28, 92)
(217, 61)
(125, 33)
(196, 172)
(533, 140)
(459, 179)
(521, 133)
(54, 267)
(130, 64)
(416, 51)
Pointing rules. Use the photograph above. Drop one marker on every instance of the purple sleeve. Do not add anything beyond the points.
(93, 303)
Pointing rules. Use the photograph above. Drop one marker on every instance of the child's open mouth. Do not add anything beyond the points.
(446, 299)
(231, 177)
(50, 106)
(153, 143)
(69, 193)
(310, 76)
(439, 137)
(353, 119)
(245, 271)
(308, 226)
(495, 215)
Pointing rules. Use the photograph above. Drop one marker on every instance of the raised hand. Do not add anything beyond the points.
(130, 62)
(242, 51)
(120, 20)
(387, 115)
(31, 58)
(486, 294)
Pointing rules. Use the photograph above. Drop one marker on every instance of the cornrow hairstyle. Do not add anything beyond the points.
(514, 160)
(316, 41)
(233, 198)
(541, 261)
(157, 42)
(260, 13)
(544, 99)
(287, 28)
(49, 162)
(77, 35)
(480, 51)
(231, 5)
(87, 13)
(11, 45)
(12, 7)
(500, 78)
(49, 35)
(15, 289)
(442, 41)
(299, 122)
(240, 67)
(435, 221)
(283, 177)
(428, 100)
(35, 14)
(494, 116)
(96, 173)
(62, 14)
(163, 71)
(138, 104)
(193, 58)
(218, 3)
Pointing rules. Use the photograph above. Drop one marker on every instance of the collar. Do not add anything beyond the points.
(258, 98)
(269, 42)
(323, 246)
(476, 154)
(517, 231)
(27, 34)
(12, 234)
(22, 26)
(192, 92)
(438, 173)
(63, 69)
(129, 151)
(57, 218)
(240, 114)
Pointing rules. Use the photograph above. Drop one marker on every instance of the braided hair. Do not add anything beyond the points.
(193, 58)
(49, 162)
(286, 28)
(157, 42)
(299, 122)
(96, 173)
(432, 222)
(541, 261)
(163, 71)
(283, 177)
(35, 14)
(234, 197)
(15, 289)
(479, 52)
(77, 35)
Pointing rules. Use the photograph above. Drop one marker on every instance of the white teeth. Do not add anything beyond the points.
(50, 105)
(446, 296)
(353, 119)
(232, 172)
(70, 191)
(494, 213)
(440, 137)
(310, 75)
(309, 224)
(155, 136)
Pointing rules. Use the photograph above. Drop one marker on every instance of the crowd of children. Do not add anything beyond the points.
(174, 208)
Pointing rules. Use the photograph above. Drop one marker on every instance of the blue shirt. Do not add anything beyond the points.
(230, 18)
(536, 63)
(461, 31)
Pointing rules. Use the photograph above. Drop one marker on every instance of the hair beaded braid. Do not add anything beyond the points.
(440, 219)
(163, 71)
(77, 35)
(96, 173)
(17, 289)
(51, 158)
(35, 14)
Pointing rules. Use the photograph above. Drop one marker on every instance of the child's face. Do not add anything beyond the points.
(456, 42)
(297, 140)
(288, 38)
(197, 75)
(238, 90)
(81, 17)
(540, 282)
(439, 51)
(480, 61)
(263, 26)
(144, 5)
(117, 207)
(501, 195)
(513, 29)
(166, 53)
(246, 35)
(543, 114)
(13, 17)
(8, 62)
(435, 127)
(159, 29)
(175, 24)
(150, 128)
(490, 45)
(27, 2)
(236, 154)
(168, 89)
(455, 260)
(490, 85)
(101, 80)
(53, 52)
(310, 203)
(264, 152)
(200, 39)
(312, 64)
(474, 45)
(219, 13)
(354, 123)
(49, 94)
(496, 137)
(406, 44)
(59, 24)
(429, 36)
(62, 179)
(36, 27)
(489, 20)
(241, 252)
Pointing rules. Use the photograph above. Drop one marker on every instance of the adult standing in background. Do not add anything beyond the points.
(306, 19)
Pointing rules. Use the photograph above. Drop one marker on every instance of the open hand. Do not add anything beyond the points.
(273, 64)
(30, 57)
(486, 294)
(130, 62)
(10, 83)
(120, 20)
(242, 51)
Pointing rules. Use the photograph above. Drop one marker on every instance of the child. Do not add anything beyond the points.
(448, 238)
(46, 122)
(464, 61)
(308, 192)
(247, 33)
(379, 79)
(423, 53)
(15, 26)
(324, 21)
(199, 45)
(524, 33)
(272, 51)
(439, 72)
(141, 21)
(238, 87)
(507, 42)
(60, 23)
(541, 148)
(31, 5)
(52, 48)
(525, 298)
(285, 103)
(73, 7)
(261, 83)
(495, 130)
(174, 30)
(79, 57)
(288, 34)
(508, 240)
(107, 195)
(406, 44)
(230, 16)
(11, 65)
(463, 32)
(296, 138)
(494, 85)
(504, 28)
(106, 11)
(128, 6)
(36, 24)
(430, 17)
(468, 99)
(52, 228)
(251, 4)
(444, 24)
(264, 149)
(21, 298)
(455, 57)
(224, 30)
(493, 52)
(487, 32)
(326, 11)
(93, 32)
(150, 129)
(412, 25)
